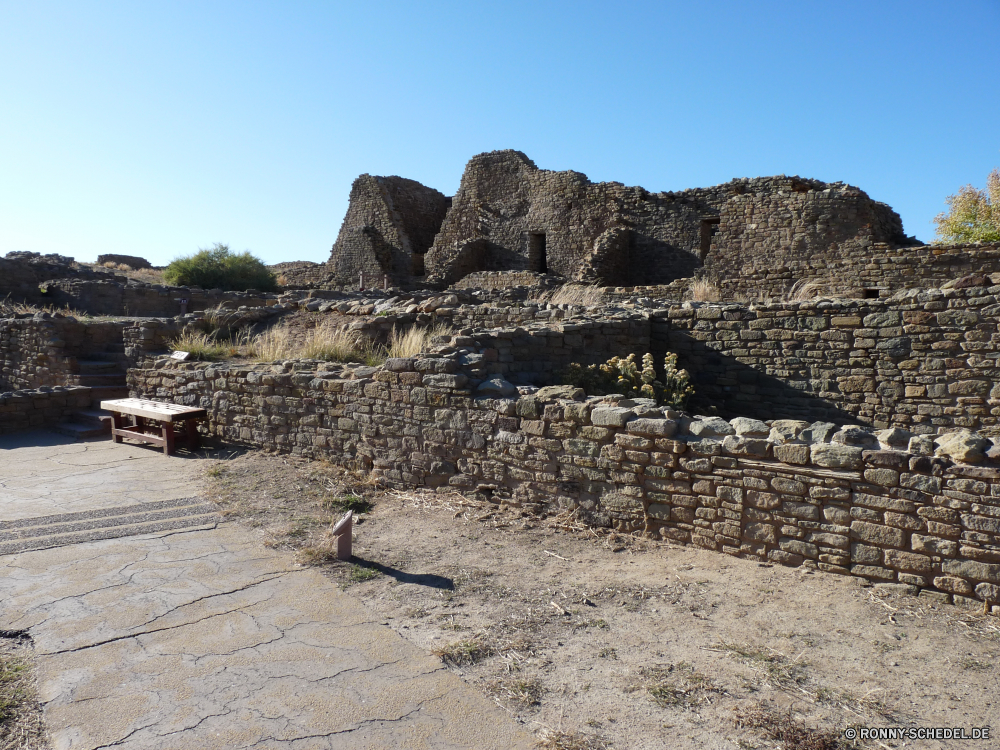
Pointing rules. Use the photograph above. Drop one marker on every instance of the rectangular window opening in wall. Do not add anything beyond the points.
(708, 229)
(870, 294)
(536, 253)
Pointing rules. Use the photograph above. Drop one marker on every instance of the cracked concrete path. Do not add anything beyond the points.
(203, 638)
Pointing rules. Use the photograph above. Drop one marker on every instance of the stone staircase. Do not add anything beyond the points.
(105, 376)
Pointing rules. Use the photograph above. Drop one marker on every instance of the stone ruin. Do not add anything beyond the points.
(511, 216)
(855, 432)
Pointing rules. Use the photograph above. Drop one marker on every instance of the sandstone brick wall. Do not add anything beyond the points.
(132, 261)
(875, 271)
(926, 362)
(626, 236)
(884, 515)
(389, 225)
(44, 350)
(31, 408)
(135, 299)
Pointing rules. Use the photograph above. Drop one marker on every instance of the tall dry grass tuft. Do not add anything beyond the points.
(149, 275)
(335, 345)
(804, 290)
(586, 295)
(703, 290)
(414, 340)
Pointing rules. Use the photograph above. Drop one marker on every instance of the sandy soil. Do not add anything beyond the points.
(595, 640)
(21, 725)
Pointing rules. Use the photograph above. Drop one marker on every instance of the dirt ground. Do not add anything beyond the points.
(21, 725)
(595, 640)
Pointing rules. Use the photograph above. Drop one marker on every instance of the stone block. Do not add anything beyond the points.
(611, 416)
(835, 456)
(885, 536)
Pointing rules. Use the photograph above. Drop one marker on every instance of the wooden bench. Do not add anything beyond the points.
(153, 422)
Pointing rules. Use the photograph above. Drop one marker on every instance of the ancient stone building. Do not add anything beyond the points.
(509, 215)
(389, 226)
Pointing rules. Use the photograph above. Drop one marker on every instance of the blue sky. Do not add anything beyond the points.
(154, 129)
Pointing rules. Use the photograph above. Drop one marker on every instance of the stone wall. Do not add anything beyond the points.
(45, 349)
(875, 271)
(132, 261)
(136, 299)
(390, 224)
(885, 515)
(510, 215)
(41, 407)
(926, 361)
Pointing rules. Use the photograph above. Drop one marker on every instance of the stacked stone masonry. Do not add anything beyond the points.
(765, 492)
(40, 407)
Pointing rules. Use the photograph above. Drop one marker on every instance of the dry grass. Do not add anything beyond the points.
(786, 729)
(148, 275)
(20, 716)
(556, 739)
(587, 295)
(412, 341)
(804, 290)
(703, 290)
(9, 308)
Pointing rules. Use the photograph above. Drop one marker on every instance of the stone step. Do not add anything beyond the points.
(99, 393)
(80, 431)
(112, 378)
(97, 367)
(93, 417)
(107, 523)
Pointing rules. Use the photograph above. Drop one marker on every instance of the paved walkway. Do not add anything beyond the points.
(193, 635)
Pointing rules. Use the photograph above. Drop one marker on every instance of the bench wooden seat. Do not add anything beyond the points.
(153, 422)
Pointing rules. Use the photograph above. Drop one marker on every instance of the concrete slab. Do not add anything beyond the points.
(203, 638)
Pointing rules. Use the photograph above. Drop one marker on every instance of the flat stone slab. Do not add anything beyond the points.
(203, 638)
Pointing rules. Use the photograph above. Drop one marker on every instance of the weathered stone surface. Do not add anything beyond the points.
(786, 430)
(495, 387)
(556, 392)
(753, 428)
(611, 416)
(835, 456)
(658, 427)
(711, 427)
(962, 446)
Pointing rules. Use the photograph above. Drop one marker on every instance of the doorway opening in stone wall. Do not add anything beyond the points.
(418, 264)
(536, 253)
(708, 229)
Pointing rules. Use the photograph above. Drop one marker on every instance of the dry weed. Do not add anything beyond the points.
(587, 295)
(556, 739)
(21, 725)
(413, 340)
(804, 290)
(786, 729)
(703, 290)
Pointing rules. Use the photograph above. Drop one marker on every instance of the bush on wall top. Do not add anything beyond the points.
(218, 268)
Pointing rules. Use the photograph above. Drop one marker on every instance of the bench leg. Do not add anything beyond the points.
(116, 420)
(168, 438)
(194, 439)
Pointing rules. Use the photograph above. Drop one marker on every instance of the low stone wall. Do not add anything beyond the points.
(885, 515)
(44, 349)
(135, 299)
(40, 407)
(926, 361)
(878, 272)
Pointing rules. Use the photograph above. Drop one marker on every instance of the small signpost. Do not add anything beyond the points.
(343, 532)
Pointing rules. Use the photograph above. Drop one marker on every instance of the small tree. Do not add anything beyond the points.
(973, 215)
(218, 268)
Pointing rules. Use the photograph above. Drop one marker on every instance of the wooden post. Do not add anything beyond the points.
(385, 281)
(361, 284)
(343, 532)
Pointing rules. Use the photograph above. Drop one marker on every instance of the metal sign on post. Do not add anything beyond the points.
(180, 355)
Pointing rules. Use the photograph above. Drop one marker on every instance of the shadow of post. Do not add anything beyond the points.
(421, 579)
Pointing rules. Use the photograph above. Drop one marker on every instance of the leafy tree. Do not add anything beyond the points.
(218, 268)
(973, 215)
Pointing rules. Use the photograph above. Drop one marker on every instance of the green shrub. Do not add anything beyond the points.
(218, 268)
(622, 375)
